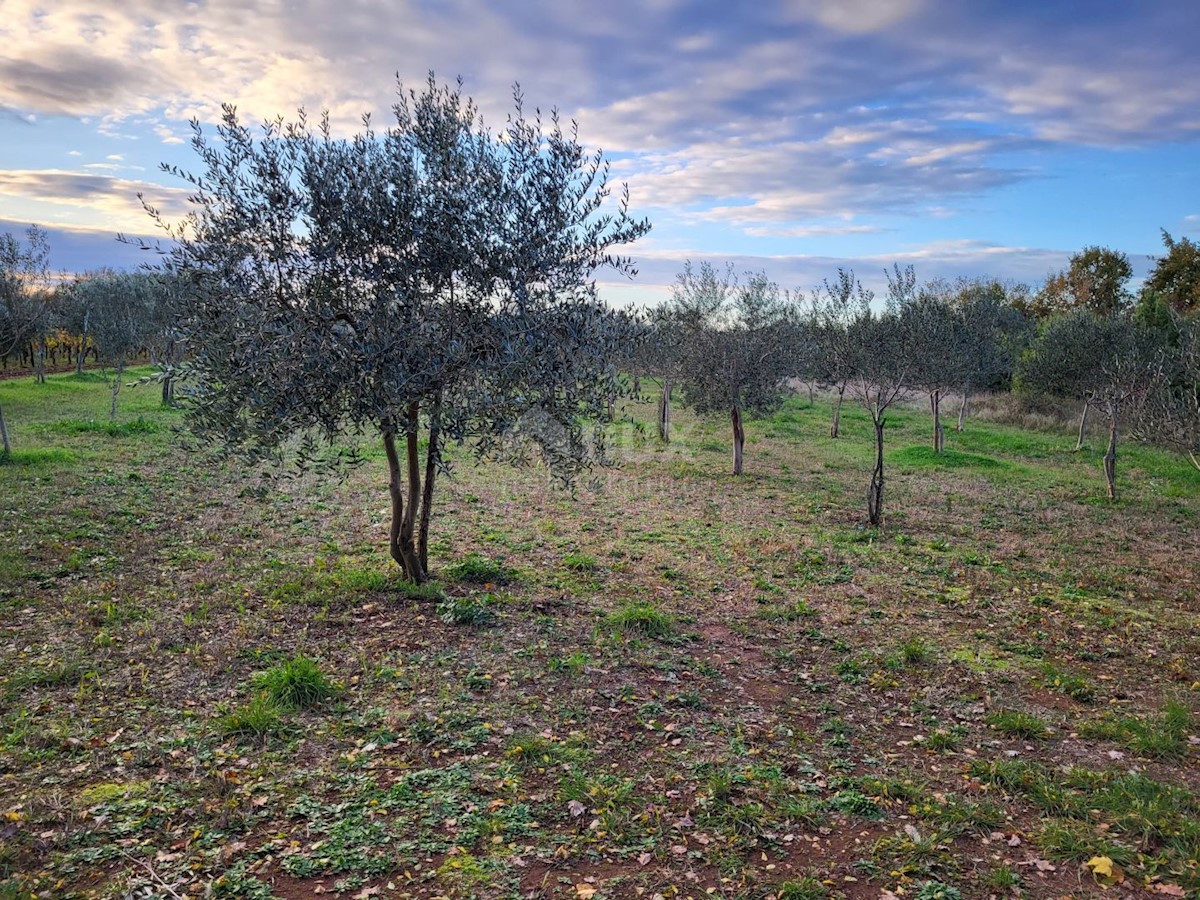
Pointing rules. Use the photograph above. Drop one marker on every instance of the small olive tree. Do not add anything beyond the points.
(120, 309)
(1107, 361)
(996, 333)
(881, 362)
(736, 341)
(1170, 412)
(25, 310)
(432, 282)
(832, 308)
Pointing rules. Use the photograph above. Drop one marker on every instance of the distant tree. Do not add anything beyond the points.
(880, 362)
(1175, 278)
(432, 283)
(1096, 278)
(699, 297)
(1171, 411)
(832, 307)
(996, 332)
(75, 314)
(734, 355)
(121, 308)
(941, 350)
(25, 310)
(1108, 362)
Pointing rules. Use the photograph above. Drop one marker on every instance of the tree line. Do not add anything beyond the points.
(740, 345)
(433, 283)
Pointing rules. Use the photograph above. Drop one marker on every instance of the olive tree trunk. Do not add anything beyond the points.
(962, 410)
(432, 459)
(411, 507)
(1082, 424)
(7, 447)
(739, 438)
(116, 389)
(836, 425)
(664, 411)
(875, 491)
(939, 433)
(1110, 455)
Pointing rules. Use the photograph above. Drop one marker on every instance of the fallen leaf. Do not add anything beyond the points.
(1171, 890)
(577, 809)
(1100, 865)
(584, 891)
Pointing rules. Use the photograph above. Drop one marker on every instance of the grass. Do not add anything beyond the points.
(1015, 723)
(641, 620)
(476, 569)
(296, 683)
(258, 718)
(801, 721)
(472, 611)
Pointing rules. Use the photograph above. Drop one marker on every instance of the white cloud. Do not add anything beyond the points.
(89, 200)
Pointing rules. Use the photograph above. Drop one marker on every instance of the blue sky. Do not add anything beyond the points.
(988, 138)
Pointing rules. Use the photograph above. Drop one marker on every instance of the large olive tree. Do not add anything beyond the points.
(432, 282)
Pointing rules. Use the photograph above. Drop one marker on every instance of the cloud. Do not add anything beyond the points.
(97, 201)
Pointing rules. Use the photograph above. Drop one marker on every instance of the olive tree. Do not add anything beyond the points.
(1170, 413)
(735, 347)
(430, 283)
(881, 361)
(940, 347)
(1108, 362)
(832, 307)
(25, 312)
(996, 333)
(120, 311)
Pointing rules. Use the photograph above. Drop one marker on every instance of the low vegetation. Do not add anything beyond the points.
(216, 684)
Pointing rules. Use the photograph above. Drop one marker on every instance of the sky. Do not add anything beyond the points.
(965, 138)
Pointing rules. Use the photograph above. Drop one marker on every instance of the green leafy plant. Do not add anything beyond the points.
(298, 682)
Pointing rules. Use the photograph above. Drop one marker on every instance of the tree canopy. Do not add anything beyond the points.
(432, 277)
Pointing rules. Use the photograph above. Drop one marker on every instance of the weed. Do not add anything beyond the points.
(912, 853)
(1003, 878)
(945, 738)
(806, 888)
(298, 682)
(790, 612)
(854, 802)
(1069, 840)
(475, 569)
(1015, 723)
(258, 718)
(580, 562)
(573, 663)
(642, 620)
(472, 611)
(935, 890)
(916, 651)
(1072, 684)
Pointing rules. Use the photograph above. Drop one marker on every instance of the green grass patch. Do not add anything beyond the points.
(641, 620)
(258, 718)
(1016, 723)
(297, 683)
(472, 611)
(476, 569)
(131, 428)
(925, 457)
